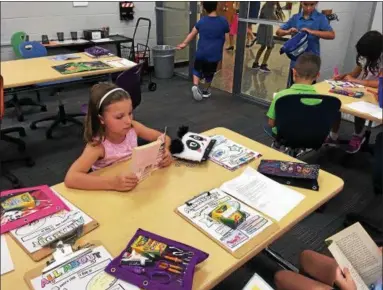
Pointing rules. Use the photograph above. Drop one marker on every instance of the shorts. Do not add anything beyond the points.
(205, 69)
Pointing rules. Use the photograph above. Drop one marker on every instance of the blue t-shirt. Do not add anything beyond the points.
(316, 21)
(212, 30)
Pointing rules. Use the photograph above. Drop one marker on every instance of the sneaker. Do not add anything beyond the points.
(206, 93)
(331, 142)
(264, 68)
(355, 144)
(255, 65)
(197, 94)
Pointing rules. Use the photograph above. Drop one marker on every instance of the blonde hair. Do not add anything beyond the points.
(94, 132)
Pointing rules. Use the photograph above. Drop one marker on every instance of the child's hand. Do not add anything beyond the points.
(181, 46)
(350, 79)
(344, 280)
(124, 182)
(338, 77)
(308, 30)
(167, 159)
(292, 30)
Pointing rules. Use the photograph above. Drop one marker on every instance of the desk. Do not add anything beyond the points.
(26, 72)
(152, 204)
(323, 88)
(81, 44)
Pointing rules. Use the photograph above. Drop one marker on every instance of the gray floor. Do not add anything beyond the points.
(171, 105)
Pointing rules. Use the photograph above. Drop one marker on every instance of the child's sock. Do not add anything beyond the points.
(334, 136)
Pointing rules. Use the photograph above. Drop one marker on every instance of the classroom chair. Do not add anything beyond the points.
(16, 39)
(21, 144)
(301, 126)
(130, 81)
(32, 49)
(26, 50)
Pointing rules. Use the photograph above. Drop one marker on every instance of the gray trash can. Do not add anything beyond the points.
(163, 59)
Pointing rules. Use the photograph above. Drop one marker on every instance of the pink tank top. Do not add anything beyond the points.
(117, 152)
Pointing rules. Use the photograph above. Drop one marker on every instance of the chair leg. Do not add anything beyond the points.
(19, 130)
(30, 102)
(20, 143)
(16, 183)
(48, 134)
(280, 260)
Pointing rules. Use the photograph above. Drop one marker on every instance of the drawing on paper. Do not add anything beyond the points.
(230, 154)
(84, 272)
(224, 218)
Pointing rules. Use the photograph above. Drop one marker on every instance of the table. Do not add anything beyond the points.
(81, 44)
(26, 72)
(323, 88)
(151, 206)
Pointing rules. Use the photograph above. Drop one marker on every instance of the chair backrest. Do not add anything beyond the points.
(32, 49)
(1, 97)
(16, 39)
(130, 81)
(305, 126)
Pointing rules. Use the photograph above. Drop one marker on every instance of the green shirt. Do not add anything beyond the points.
(293, 90)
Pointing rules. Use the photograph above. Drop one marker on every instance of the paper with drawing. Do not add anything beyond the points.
(353, 248)
(226, 219)
(263, 193)
(6, 260)
(85, 272)
(229, 154)
(38, 233)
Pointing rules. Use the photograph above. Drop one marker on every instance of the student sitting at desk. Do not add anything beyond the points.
(369, 57)
(305, 72)
(111, 134)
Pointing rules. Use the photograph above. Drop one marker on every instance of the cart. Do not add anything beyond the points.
(140, 53)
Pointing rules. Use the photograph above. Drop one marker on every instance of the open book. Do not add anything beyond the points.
(354, 249)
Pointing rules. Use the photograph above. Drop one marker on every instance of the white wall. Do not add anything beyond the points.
(377, 21)
(354, 20)
(37, 18)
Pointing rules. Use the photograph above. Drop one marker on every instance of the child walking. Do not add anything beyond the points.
(211, 29)
(233, 26)
(369, 50)
(265, 33)
(110, 134)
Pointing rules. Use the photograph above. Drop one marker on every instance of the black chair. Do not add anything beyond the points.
(303, 126)
(130, 81)
(5, 137)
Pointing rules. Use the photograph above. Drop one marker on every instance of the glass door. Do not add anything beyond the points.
(174, 21)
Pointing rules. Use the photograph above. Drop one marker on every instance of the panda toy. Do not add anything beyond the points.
(191, 146)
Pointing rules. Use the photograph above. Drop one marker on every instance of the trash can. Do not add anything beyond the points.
(163, 59)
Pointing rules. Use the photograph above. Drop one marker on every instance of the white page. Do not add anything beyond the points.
(120, 63)
(88, 274)
(102, 40)
(263, 194)
(198, 210)
(6, 260)
(365, 107)
(31, 235)
(377, 115)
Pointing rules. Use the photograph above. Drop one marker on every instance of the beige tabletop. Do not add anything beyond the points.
(323, 88)
(24, 72)
(151, 207)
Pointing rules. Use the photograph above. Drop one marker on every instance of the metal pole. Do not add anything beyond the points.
(240, 48)
(192, 45)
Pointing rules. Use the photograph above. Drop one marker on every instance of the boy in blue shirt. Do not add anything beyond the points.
(314, 23)
(211, 29)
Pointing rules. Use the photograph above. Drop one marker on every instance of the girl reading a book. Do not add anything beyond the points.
(110, 134)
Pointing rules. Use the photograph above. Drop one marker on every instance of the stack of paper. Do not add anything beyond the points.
(6, 261)
(119, 62)
(367, 108)
(263, 193)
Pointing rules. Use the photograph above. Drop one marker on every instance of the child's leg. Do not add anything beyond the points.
(359, 126)
(258, 55)
(267, 55)
(358, 138)
(197, 75)
(288, 280)
(319, 267)
(209, 70)
(231, 42)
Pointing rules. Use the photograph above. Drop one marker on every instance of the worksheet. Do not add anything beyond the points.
(203, 209)
(85, 272)
(35, 235)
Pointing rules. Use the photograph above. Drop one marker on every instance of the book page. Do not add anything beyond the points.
(362, 252)
(85, 272)
(144, 159)
(344, 263)
(245, 223)
(263, 194)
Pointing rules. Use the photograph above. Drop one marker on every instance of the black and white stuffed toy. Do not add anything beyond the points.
(191, 146)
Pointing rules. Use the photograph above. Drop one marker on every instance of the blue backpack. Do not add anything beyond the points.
(295, 46)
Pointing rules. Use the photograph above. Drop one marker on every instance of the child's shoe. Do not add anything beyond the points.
(197, 94)
(255, 65)
(264, 68)
(206, 93)
(355, 144)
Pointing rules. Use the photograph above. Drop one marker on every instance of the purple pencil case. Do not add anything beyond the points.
(172, 269)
